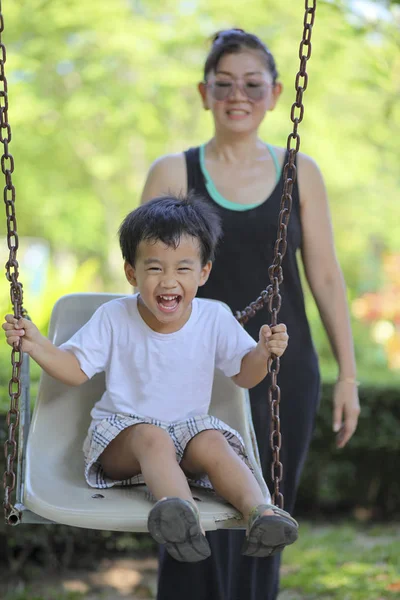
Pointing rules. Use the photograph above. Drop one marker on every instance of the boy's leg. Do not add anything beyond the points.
(210, 453)
(149, 450)
(269, 530)
(173, 520)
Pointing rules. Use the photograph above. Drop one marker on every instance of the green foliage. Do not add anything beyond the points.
(96, 95)
(344, 562)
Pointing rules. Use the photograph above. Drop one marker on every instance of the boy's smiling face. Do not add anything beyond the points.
(167, 279)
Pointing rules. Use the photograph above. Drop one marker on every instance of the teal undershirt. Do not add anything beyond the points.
(218, 198)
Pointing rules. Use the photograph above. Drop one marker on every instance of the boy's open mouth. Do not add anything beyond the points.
(168, 302)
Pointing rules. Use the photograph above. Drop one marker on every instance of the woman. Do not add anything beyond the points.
(242, 175)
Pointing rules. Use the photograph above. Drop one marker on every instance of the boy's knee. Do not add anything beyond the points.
(210, 440)
(151, 439)
(206, 448)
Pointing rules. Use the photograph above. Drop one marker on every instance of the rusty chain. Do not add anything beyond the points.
(12, 271)
(271, 295)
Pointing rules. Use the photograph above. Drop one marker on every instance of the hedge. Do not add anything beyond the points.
(365, 474)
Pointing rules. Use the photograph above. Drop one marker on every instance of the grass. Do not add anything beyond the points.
(346, 562)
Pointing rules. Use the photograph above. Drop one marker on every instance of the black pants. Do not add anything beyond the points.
(227, 575)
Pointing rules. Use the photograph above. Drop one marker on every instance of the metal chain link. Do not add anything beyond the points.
(271, 295)
(12, 271)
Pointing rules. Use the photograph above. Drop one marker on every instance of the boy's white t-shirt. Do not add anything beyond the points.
(167, 377)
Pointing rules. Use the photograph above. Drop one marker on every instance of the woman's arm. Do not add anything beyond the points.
(328, 288)
(167, 175)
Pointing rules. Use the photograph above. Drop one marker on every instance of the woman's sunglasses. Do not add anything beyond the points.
(222, 90)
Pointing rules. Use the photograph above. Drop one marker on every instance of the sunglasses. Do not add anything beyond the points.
(222, 90)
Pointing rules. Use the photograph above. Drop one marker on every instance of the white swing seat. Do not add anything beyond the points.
(54, 484)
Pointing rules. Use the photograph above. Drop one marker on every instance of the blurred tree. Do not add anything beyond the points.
(99, 90)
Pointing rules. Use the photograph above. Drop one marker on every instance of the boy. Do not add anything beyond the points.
(159, 349)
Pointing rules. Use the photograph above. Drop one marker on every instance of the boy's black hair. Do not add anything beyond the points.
(166, 219)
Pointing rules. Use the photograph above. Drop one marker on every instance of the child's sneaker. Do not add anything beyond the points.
(175, 523)
(269, 534)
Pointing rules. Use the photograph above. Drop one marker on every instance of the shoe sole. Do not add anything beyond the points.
(269, 535)
(173, 522)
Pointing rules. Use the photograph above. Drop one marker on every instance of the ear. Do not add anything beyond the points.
(203, 93)
(205, 273)
(276, 92)
(130, 274)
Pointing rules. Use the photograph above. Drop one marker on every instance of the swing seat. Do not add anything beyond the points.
(54, 484)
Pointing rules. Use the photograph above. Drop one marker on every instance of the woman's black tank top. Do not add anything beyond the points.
(240, 270)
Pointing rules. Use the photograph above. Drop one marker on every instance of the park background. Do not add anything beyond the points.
(97, 91)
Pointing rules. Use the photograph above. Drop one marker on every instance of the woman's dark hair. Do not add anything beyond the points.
(232, 41)
(166, 219)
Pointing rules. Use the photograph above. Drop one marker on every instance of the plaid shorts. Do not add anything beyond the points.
(181, 432)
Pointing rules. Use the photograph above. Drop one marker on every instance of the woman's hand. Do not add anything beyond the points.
(346, 409)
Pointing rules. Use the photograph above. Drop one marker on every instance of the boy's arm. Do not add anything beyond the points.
(254, 366)
(58, 363)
